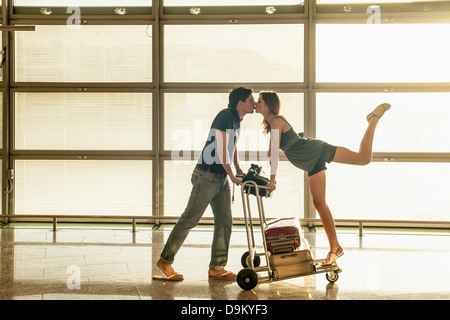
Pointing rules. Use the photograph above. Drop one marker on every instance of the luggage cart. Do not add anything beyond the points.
(248, 278)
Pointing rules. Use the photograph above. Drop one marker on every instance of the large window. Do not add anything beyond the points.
(212, 56)
(107, 116)
(82, 109)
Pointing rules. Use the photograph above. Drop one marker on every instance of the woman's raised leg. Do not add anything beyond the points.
(364, 156)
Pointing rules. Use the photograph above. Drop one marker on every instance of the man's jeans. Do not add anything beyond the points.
(207, 189)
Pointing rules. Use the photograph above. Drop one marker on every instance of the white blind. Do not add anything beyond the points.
(91, 187)
(233, 53)
(89, 54)
(383, 53)
(83, 121)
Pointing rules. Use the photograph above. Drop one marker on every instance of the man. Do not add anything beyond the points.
(210, 186)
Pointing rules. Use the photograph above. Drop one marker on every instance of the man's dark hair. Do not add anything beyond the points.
(238, 94)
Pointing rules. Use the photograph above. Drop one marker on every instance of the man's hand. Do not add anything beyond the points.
(240, 174)
(235, 179)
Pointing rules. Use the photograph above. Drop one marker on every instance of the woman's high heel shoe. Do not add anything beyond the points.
(379, 111)
(325, 264)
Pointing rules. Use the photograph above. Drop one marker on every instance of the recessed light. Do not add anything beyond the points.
(47, 11)
(270, 10)
(120, 11)
(194, 10)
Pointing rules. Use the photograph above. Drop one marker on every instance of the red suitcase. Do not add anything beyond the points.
(283, 235)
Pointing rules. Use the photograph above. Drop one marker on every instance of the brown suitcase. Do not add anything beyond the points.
(293, 263)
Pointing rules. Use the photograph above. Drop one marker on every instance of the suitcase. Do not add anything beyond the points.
(283, 235)
(293, 263)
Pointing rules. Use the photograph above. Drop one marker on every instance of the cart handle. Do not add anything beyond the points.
(253, 184)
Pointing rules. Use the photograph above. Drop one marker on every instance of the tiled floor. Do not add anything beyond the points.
(113, 263)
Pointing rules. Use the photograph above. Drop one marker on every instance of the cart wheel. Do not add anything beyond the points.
(246, 259)
(247, 279)
(332, 276)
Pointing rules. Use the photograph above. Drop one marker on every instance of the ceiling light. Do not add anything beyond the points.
(120, 11)
(270, 10)
(47, 11)
(195, 10)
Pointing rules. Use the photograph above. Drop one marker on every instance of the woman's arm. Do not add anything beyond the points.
(274, 151)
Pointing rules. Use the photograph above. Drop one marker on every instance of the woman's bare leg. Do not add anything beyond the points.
(317, 185)
(364, 156)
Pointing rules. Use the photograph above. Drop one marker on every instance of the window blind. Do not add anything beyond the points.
(89, 187)
(83, 121)
(91, 53)
(233, 53)
(383, 53)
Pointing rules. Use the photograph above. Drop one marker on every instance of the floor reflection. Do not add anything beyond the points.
(88, 263)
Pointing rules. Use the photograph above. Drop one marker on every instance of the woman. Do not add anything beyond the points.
(311, 155)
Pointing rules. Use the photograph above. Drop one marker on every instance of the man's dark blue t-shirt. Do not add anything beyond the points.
(226, 120)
